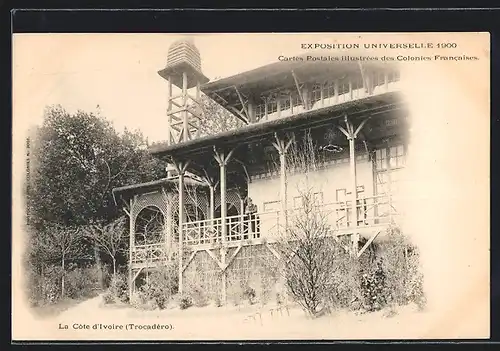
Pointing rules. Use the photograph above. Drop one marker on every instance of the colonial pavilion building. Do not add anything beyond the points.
(350, 113)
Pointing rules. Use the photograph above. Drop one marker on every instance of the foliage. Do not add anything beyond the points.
(309, 256)
(79, 158)
(108, 237)
(108, 298)
(198, 295)
(401, 264)
(374, 288)
(82, 282)
(119, 288)
(216, 119)
(186, 302)
(160, 287)
(249, 294)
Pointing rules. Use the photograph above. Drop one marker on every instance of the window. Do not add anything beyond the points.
(329, 90)
(260, 111)
(393, 76)
(378, 79)
(270, 206)
(272, 106)
(344, 86)
(390, 158)
(397, 157)
(296, 100)
(316, 93)
(285, 102)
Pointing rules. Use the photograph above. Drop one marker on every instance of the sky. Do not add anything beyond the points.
(118, 72)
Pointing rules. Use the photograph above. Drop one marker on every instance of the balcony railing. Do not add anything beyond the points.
(150, 253)
(372, 211)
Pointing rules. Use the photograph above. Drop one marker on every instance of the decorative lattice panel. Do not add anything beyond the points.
(157, 199)
(193, 198)
(232, 198)
(203, 272)
(254, 267)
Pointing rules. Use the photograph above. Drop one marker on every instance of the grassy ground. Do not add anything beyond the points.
(55, 309)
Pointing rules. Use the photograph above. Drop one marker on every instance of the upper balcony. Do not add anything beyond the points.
(289, 88)
(374, 214)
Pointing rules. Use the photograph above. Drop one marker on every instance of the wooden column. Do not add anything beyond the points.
(198, 106)
(131, 248)
(306, 97)
(242, 217)
(351, 133)
(278, 106)
(169, 227)
(322, 94)
(185, 124)
(336, 90)
(251, 110)
(212, 202)
(222, 160)
(181, 169)
(169, 108)
(282, 147)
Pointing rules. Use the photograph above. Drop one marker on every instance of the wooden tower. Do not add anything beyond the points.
(184, 109)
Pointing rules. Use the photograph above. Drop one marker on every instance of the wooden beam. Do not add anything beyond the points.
(237, 113)
(137, 274)
(298, 89)
(273, 251)
(345, 132)
(131, 248)
(242, 102)
(361, 125)
(189, 260)
(373, 237)
(244, 169)
(211, 254)
(228, 263)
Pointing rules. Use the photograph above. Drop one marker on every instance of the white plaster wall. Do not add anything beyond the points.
(325, 180)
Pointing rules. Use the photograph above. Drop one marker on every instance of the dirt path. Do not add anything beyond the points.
(95, 321)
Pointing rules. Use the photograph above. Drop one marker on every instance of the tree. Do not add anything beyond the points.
(309, 255)
(216, 119)
(80, 158)
(61, 244)
(108, 237)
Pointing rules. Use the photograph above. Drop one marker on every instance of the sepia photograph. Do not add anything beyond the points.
(293, 186)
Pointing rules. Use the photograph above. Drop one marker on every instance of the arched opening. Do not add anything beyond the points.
(149, 226)
(231, 210)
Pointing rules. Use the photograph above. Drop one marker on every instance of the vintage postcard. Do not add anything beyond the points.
(319, 186)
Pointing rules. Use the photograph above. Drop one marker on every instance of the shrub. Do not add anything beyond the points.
(161, 286)
(234, 293)
(198, 294)
(119, 288)
(185, 302)
(108, 298)
(373, 288)
(249, 294)
(218, 301)
(82, 282)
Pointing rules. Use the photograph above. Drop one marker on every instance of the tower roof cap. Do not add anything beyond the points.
(183, 56)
